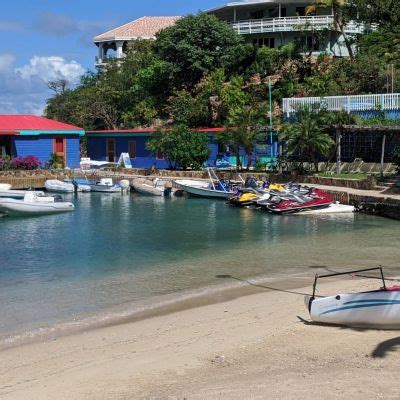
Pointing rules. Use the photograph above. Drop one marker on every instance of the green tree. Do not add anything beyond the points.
(244, 120)
(339, 20)
(182, 147)
(305, 137)
(382, 12)
(195, 46)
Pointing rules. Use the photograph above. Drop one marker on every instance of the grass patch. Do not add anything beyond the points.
(356, 175)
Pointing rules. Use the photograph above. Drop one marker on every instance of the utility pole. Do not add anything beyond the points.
(270, 118)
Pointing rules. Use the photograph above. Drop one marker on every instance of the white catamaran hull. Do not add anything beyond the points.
(201, 188)
(16, 207)
(378, 309)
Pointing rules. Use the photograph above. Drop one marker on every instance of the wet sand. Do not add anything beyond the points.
(248, 347)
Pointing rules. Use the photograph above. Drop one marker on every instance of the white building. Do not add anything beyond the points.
(113, 44)
(274, 23)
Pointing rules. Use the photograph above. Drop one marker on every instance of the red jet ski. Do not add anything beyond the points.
(314, 200)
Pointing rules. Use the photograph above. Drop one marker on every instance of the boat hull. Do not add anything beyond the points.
(200, 188)
(332, 209)
(105, 189)
(15, 207)
(148, 190)
(377, 309)
(56, 186)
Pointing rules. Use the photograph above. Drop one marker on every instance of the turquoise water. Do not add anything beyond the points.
(117, 254)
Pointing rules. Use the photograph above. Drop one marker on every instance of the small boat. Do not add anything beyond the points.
(106, 185)
(54, 185)
(205, 189)
(32, 204)
(375, 309)
(6, 191)
(215, 187)
(153, 188)
(81, 185)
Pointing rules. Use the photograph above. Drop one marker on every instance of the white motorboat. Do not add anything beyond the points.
(54, 185)
(335, 208)
(32, 204)
(213, 188)
(203, 188)
(106, 185)
(5, 186)
(377, 309)
(153, 188)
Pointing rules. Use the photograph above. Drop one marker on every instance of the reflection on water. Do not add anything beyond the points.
(123, 250)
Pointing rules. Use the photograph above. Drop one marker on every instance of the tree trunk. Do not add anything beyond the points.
(338, 151)
(383, 153)
(249, 158)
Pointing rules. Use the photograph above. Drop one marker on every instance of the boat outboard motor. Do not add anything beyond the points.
(251, 182)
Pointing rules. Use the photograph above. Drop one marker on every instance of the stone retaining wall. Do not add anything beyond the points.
(36, 179)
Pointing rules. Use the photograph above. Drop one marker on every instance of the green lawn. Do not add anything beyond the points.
(357, 175)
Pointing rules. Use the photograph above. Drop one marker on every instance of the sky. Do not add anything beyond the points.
(43, 40)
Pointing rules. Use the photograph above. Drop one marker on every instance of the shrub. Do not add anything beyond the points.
(26, 163)
(396, 159)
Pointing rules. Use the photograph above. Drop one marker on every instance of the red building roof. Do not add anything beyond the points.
(33, 122)
(152, 130)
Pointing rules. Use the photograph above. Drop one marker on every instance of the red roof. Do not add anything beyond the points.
(152, 130)
(33, 122)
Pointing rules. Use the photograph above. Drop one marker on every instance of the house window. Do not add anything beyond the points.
(132, 148)
(264, 42)
(110, 150)
(159, 155)
(301, 11)
(257, 14)
(283, 12)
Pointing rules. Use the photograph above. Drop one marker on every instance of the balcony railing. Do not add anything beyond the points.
(363, 102)
(292, 24)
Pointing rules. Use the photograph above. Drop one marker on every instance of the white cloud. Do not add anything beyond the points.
(50, 68)
(24, 89)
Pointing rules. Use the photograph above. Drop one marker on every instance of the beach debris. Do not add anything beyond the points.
(220, 360)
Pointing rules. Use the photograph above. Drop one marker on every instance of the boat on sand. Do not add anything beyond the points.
(375, 309)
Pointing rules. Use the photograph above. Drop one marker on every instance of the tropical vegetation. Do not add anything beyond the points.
(200, 73)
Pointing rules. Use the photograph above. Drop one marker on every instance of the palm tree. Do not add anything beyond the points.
(338, 19)
(244, 131)
(306, 137)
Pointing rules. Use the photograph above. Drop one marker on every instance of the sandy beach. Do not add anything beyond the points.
(249, 347)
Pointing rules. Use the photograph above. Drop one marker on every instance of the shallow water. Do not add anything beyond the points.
(120, 253)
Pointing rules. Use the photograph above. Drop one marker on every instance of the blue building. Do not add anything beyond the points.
(30, 135)
(108, 146)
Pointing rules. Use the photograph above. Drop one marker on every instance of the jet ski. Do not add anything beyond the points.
(294, 202)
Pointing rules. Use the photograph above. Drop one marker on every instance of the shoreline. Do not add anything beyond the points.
(239, 348)
(204, 296)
